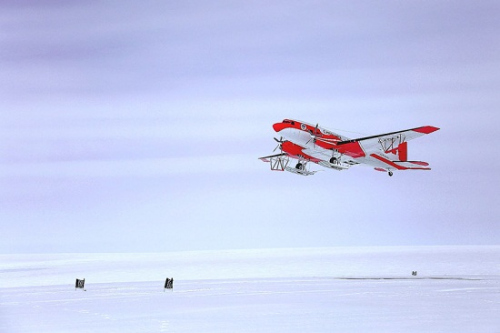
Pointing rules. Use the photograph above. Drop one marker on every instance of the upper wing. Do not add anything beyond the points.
(391, 140)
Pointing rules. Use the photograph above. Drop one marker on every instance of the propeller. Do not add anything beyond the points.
(313, 135)
(280, 141)
(317, 135)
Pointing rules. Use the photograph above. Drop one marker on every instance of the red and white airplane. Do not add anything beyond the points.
(309, 143)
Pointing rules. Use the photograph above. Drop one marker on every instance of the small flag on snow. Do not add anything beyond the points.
(80, 283)
(169, 283)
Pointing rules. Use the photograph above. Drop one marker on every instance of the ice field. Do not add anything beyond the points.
(457, 289)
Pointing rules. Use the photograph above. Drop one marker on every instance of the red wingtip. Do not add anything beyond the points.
(420, 163)
(426, 129)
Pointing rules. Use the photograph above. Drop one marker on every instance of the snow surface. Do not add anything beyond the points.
(457, 289)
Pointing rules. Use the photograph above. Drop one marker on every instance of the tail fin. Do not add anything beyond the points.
(403, 151)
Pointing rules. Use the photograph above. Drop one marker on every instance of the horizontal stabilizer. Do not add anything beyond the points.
(402, 165)
(418, 165)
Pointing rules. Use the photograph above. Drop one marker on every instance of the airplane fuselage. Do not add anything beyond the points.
(384, 152)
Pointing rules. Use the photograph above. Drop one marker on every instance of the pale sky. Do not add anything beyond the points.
(136, 125)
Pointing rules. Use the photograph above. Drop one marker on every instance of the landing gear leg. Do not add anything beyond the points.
(390, 173)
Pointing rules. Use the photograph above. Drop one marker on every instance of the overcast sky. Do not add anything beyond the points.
(136, 125)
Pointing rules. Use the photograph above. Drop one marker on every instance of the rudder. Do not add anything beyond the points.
(403, 151)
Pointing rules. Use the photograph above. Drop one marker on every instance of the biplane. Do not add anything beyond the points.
(308, 143)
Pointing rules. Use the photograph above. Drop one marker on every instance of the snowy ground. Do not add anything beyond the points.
(457, 289)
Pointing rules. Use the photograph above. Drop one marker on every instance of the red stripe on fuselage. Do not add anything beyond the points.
(286, 123)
